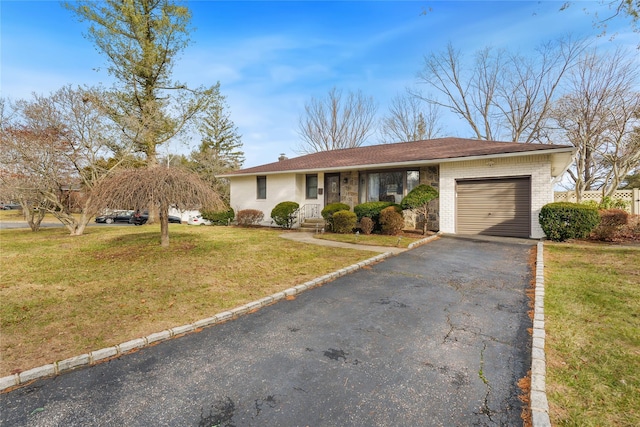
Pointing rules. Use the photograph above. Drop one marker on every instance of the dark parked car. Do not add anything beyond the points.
(141, 218)
(10, 206)
(113, 217)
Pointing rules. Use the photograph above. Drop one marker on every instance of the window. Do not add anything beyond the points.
(262, 187)
(312, 187)
(387, 186)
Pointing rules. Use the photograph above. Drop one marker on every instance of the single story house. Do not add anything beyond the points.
(486, 187)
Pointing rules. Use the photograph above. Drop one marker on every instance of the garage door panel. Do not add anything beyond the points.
(500, 207)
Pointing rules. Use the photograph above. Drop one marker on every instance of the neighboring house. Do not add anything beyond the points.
(486, 187)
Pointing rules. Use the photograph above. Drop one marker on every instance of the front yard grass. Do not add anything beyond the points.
(61, 296)
(592, 313)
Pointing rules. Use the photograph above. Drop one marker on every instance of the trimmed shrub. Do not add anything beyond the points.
(219, 217)
(612, 221)
(391, 221)
(344, 222)
(561, 221)
(372, 210)
(330, 209)
(418, 200)
(247, 217)
(366, 225)
(284, 214)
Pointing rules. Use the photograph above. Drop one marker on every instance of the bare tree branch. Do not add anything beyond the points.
(334, 123)
(600, 116)
(408, 120)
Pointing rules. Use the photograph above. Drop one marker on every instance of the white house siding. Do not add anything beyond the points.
(537, 167)
(287, 187)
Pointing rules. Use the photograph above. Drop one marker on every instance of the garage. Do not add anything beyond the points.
(495, 207)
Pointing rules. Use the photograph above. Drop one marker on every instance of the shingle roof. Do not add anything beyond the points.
(404, 152)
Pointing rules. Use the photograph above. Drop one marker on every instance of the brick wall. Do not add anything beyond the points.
(538, 167)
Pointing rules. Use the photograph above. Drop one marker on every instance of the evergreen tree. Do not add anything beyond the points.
(221, 142)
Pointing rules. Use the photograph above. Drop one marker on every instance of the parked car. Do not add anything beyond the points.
(142, 218)
(10, 206)
(198, 220)
(116, 216)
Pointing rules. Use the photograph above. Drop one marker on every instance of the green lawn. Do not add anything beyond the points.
(61, 296)
(592, 313)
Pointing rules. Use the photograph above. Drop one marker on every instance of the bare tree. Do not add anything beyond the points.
(333, 122)
(409, 120)
(617, 8)
(502, 95)
(55, 148)
(160, 187)
(600, 116)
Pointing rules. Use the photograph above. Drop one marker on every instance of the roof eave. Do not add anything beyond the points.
(392, 165)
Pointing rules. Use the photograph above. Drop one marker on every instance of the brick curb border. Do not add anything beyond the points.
(538, 398)
(104, 354)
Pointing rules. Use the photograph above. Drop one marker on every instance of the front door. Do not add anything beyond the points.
(331, 188)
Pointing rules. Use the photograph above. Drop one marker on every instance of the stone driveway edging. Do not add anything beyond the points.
(538, 397)
(423, 241)
(118, 350)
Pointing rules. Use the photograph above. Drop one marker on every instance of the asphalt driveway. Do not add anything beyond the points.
(436, 336)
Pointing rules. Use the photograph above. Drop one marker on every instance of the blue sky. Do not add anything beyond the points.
(272, 57)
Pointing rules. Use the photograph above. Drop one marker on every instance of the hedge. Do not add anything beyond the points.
(562, 220)
(372, 210)
(219, 218)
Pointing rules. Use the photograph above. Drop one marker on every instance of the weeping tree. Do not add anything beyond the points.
(160, 188)
(142, 41)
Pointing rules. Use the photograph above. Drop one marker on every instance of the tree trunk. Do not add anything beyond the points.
(33, 217)
(164, 226)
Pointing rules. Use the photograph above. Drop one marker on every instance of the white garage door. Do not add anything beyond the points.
(496, 207)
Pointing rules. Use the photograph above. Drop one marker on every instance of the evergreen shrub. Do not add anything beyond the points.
(285, 213)
(562, 220)
(372, 210)
(219, 217)
(344, 222)
(391, 221)
(330, 209)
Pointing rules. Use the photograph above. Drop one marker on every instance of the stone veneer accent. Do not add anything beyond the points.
(349, 194)
(430, 175)
(349, 189)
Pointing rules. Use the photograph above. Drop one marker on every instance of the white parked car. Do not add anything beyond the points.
(198, 220)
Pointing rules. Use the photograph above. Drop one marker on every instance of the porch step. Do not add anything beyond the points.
(312, 224)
